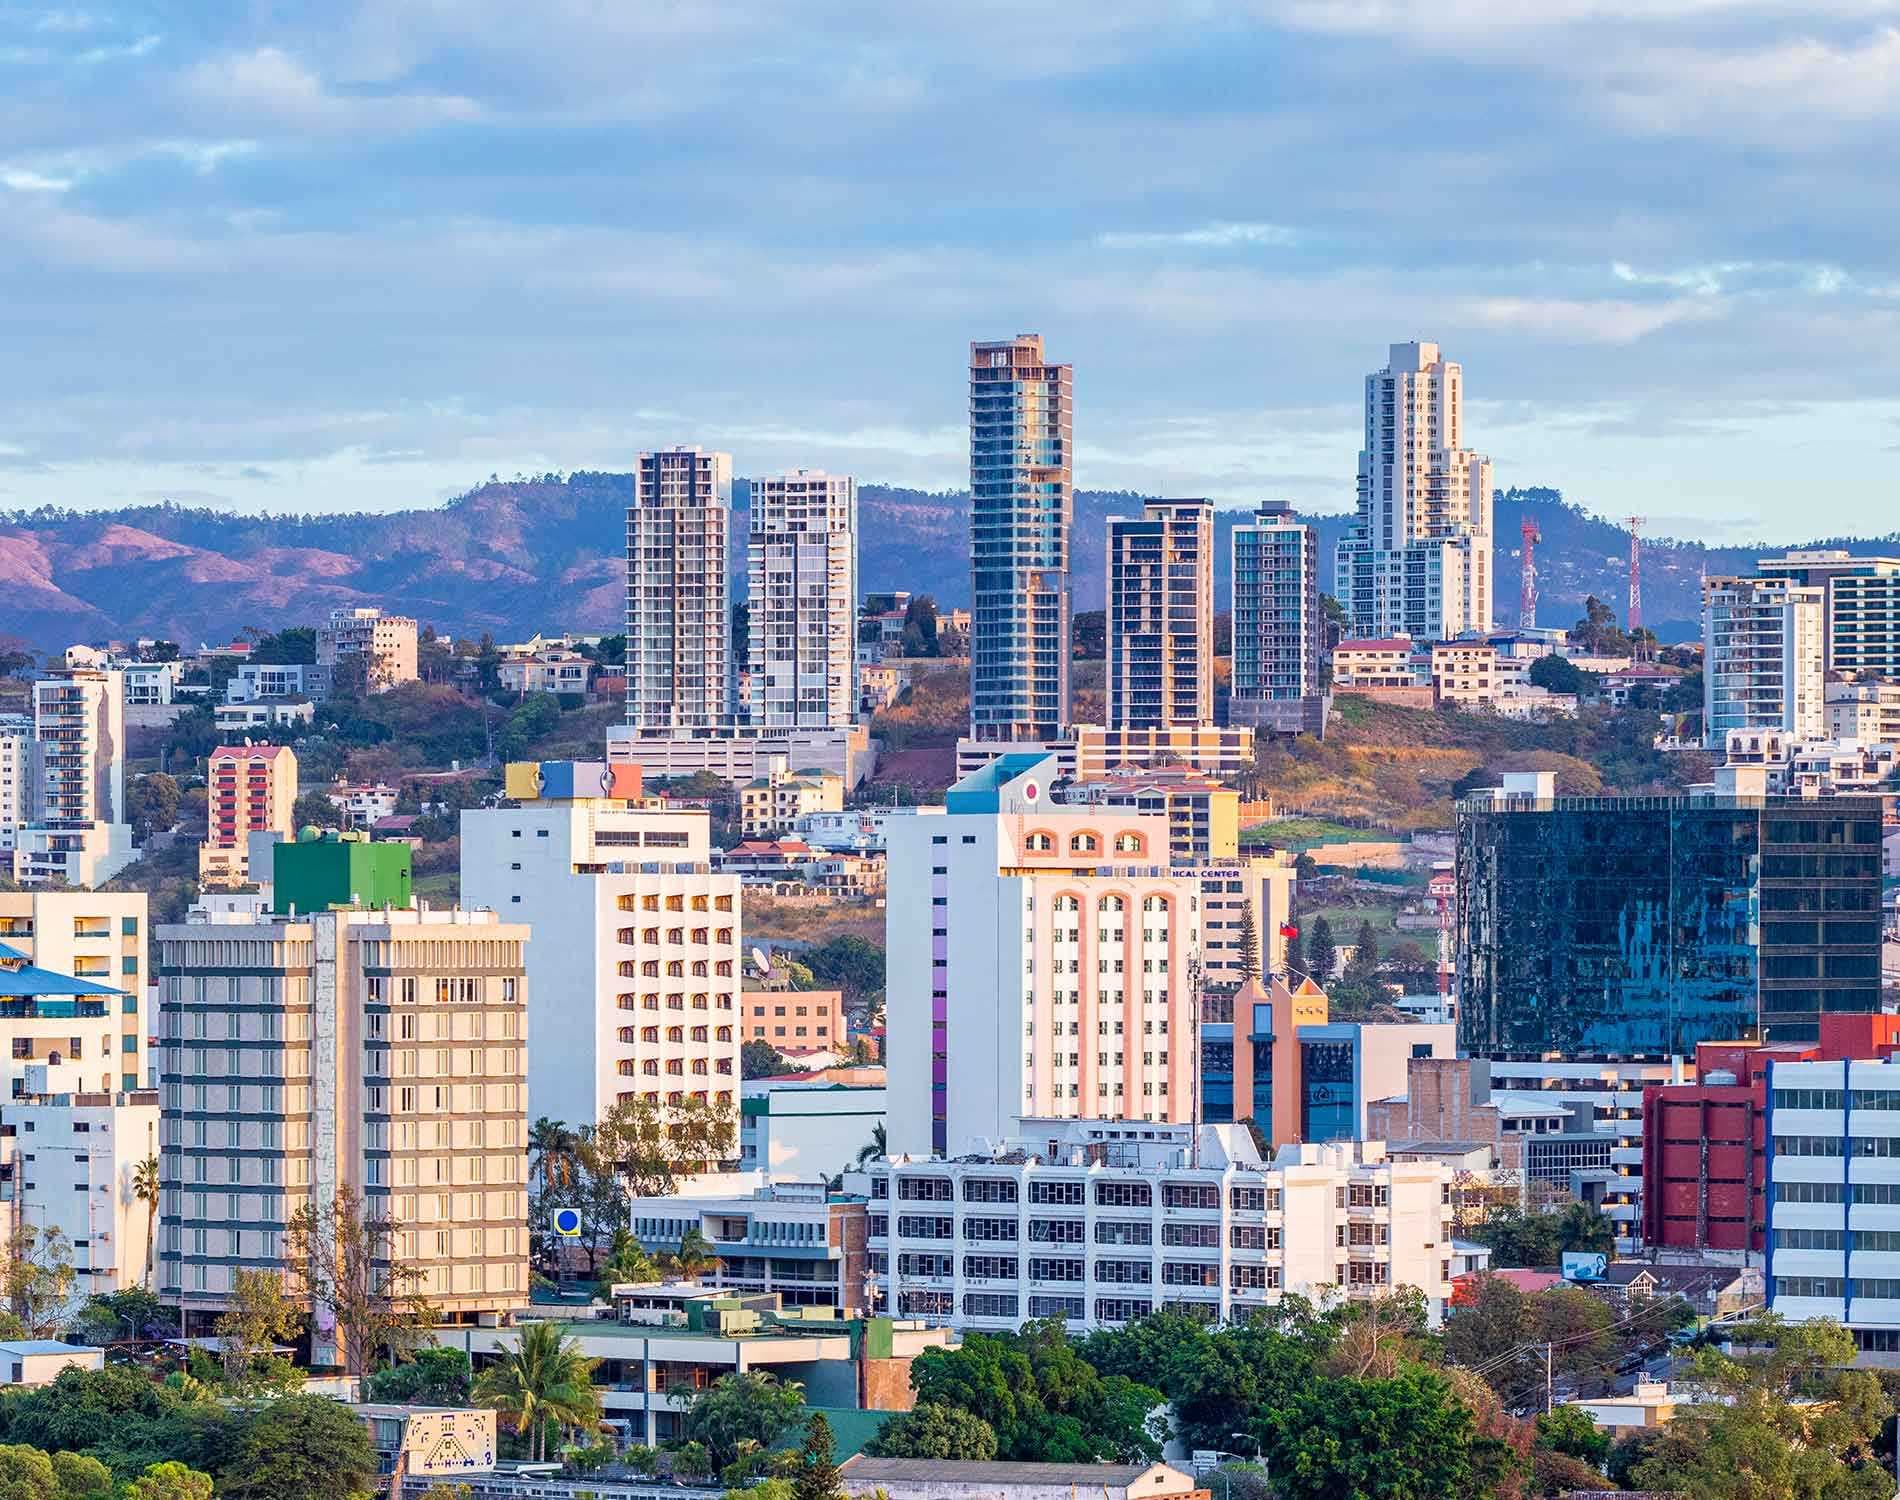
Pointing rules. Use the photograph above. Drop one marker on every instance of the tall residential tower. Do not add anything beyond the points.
(679, 629)
(1276, 619)
(1021, 509)
(802, 572)
(1161, 616)
(1417, 561)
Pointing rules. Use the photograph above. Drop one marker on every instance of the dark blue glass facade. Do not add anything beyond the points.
(1217, 1074)
(1640, 926)
(1329, 1106)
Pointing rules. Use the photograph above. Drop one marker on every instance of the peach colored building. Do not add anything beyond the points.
(794, 1018)
(252, 790)
(1041, 962)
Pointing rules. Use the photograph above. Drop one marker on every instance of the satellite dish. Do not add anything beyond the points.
(761, 962)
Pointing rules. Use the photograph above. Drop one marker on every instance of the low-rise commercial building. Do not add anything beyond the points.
(793, 1018)
(95, 941)
(1384, 663)
(1100, 1222)
(810, 1126)
(794, 1240)
(963, 1479)
(669, 1341)
(773, 803)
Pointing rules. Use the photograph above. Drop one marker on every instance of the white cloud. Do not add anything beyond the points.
(1585, 322)
(25, 180)
(1216, 236)
(269, 86)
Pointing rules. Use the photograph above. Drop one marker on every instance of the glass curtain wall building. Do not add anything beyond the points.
(1638, 927)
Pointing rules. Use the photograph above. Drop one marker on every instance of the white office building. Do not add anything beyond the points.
(1418, 559)
(1101, 1223)
(1764, 654)
(635, 967)
(71, 1160)
(802, 588)
(1277, 626)
(78, 832)
(809, 1127)
(1833, 1242)
(679, 627)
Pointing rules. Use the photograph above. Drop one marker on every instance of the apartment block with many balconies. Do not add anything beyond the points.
(1161, 616)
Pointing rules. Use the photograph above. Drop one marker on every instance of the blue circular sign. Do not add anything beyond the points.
(567, 1221)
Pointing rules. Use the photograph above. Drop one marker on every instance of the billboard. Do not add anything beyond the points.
(1584, 1265)
(450, 1442)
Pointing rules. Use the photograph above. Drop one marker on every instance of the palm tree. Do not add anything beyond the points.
(694, 1255)
(551, 1147)
(544, 1378)
(145, 1188)
(875, 1147)
(1582, 1226)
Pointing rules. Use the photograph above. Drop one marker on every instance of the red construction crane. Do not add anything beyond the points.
(1635, 618)
(1527, 599)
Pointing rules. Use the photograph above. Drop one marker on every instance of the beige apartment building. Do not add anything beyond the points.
(773, 803)
(386, 642)
(1465, 673)
(374, 1053)
(1161, 616)
(98, 938)
(252, 790)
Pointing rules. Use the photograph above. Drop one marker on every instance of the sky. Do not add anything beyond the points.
(333, 256)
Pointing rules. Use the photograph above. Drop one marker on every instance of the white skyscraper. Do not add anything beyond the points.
(679, 628)
(1417, 561)
(1764, 652)
(802, 574)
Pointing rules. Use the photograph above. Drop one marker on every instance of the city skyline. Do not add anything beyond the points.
(439, 192)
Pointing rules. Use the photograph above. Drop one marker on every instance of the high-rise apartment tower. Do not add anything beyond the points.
(1161, 616)
(679, 628)
(1276, 614)
(802, 571)
(1417, 561)
(1021, 510)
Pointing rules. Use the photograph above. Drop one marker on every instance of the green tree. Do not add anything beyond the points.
(37, 1277)
(876, 1148)
(314, 809)
(346, 1255)
(1249, 943)
(81, 1477)
(758, 1058)
(170, 1480)
(1582, 1226)
(626, 1262)
(1363, 967)
(543, 1381)
(650, 1146)
(816, 1474)
(751, 1406)
(294, 645)
(1557, 674)
(145, 1187)
(1320, 949)
(694, 1257)
(257, 1318)
(933, 1429)
(306, 1447)
(849, 963)
(26, 1474)
(551, 1148)
(437, 1375)
(1597, 634)
(151, 804)
(1568, 1429)
(1360, 1439)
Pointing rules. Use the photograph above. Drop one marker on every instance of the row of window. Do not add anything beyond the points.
(1189, 1195)
(1831, 1099)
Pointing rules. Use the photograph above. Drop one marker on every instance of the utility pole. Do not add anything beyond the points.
(1549, 1395)
(1633, 622)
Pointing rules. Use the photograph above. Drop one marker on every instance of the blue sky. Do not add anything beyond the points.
(325, 256)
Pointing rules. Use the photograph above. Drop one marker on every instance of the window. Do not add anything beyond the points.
(1055, 1192)
(1122, 1195)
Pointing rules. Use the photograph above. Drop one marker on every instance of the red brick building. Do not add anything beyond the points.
(1704, 1152)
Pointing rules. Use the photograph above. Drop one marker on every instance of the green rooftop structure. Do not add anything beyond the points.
(322, 870)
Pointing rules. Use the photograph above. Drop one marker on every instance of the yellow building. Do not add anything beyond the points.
(771, 804)
(91, 935)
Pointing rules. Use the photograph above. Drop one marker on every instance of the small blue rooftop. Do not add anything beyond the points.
(982, 790)
(22, 979)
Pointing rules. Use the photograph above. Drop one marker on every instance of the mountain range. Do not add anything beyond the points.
(515, 556)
